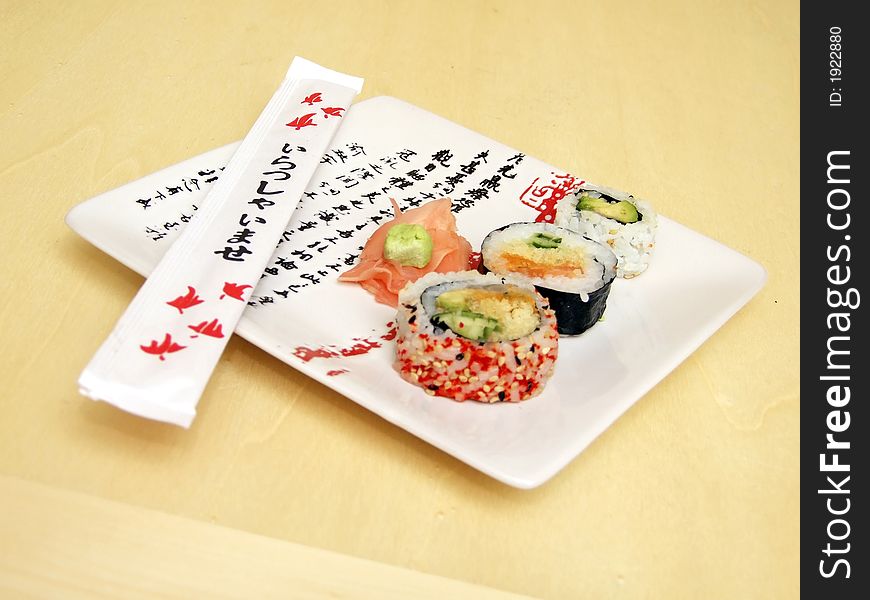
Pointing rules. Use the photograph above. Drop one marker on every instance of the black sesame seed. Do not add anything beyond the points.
(519, 362)
(501, 396)
(433, 387)
(529, 387)
(532, 349)
(460, 356)
(412, 319)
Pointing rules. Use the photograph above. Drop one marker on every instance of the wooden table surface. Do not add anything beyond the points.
(692, 493)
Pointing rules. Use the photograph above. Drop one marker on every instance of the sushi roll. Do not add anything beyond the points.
(620, 220)
(468, 336)
(572, 272)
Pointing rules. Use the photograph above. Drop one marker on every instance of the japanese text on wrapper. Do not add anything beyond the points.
(279, 170)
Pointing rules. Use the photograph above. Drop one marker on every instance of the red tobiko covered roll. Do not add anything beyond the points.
(468, 336)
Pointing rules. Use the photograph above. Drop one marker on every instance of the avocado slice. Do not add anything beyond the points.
(621, 210)
(544, 240)
(454, 300)
(462, 299)
(408, 244)
(473, 326)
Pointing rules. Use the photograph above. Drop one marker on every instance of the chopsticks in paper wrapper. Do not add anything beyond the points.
(158, 359)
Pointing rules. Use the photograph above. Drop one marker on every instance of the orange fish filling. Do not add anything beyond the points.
(533, 268)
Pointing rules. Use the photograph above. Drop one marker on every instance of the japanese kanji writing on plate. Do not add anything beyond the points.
(159, 231)
(187, 185)
(343, 209)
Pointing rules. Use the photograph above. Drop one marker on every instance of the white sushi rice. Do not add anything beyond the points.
(596, 261)
(631, 242)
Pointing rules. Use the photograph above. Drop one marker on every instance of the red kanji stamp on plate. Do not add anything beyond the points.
(544, 197)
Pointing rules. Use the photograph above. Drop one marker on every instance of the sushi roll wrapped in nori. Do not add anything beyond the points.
(573, 272)
(626, 224)
(468, 336)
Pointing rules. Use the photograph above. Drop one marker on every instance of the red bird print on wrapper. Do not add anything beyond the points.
(233, 290)
(187, 301)
(303, 121)
(332, 111)
(210, 328)
(167, 346)
(310, 100)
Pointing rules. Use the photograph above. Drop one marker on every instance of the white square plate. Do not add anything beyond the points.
(337, 334)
